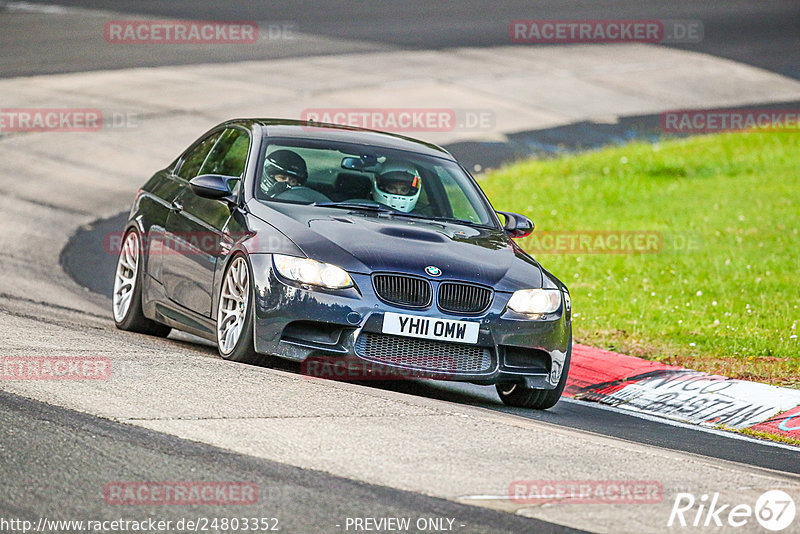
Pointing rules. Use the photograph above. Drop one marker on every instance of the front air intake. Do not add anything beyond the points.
(400, 290)
(457, 297)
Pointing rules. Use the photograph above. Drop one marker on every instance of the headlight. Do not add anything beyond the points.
(539, 301)
(315, 273)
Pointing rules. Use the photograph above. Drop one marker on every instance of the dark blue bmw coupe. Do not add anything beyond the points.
(304, 240)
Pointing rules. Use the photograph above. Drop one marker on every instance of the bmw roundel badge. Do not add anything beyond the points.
(433, 271)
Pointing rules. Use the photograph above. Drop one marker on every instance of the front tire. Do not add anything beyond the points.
(127, 297)
(235, 315)
(516, 394)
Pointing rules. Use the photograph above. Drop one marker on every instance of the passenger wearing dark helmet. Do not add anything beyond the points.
(283, 169)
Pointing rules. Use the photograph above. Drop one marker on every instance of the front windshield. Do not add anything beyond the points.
(330, 174)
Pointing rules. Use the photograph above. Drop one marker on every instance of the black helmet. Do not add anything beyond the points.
(288, 163)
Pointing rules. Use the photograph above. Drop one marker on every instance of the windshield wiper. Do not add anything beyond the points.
(442, 219)
(353, 205)
(395, 213)
(462, 221)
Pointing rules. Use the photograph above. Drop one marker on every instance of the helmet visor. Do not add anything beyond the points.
(276, 165)
(398, 183)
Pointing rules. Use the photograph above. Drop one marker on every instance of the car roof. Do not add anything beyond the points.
(297, 129)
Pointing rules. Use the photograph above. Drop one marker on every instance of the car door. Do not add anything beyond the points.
(195, 229)
(167, 191)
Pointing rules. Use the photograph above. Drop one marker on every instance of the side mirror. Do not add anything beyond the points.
(214, 186)
(516, 225)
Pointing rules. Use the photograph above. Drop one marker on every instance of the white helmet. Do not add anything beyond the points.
(398, 186)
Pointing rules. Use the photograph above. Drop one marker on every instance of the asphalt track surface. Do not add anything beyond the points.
(85, 452)
(88, 262)
(63, 459)
(763, 33)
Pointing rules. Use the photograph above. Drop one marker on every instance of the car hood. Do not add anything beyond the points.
(367, 242)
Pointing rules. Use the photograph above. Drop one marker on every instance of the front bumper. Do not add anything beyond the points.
(297, 323)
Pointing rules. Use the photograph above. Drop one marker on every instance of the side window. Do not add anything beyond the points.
(229, 155)
(195, 158)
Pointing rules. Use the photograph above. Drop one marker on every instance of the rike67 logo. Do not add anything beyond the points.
(774, 510)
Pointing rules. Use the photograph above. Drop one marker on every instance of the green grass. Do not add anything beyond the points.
(765, 435)
(729, 303)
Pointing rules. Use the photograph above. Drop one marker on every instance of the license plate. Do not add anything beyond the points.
(430, 328)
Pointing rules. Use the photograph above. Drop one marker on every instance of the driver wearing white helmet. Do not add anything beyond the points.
(398, 186)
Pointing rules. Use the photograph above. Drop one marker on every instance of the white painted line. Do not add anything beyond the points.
(29, 7)
(484, 498)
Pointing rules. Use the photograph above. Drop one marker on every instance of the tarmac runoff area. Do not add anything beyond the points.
(54, 182)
